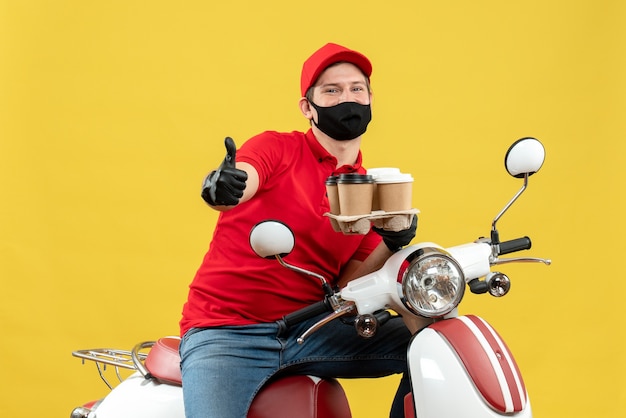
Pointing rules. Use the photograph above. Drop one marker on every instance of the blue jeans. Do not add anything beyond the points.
(224, 367)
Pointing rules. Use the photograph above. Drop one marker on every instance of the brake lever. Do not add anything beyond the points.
(497, 261)
(340, 311)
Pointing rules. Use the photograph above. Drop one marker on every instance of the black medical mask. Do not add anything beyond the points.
(345, 121)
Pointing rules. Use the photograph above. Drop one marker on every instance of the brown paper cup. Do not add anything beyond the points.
(380, 172)
(395, 194)
(355, 194)
(333, 195)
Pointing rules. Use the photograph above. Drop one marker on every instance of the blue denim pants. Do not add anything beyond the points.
(224, 367)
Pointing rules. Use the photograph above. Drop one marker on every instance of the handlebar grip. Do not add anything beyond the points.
(305, 313)
(514, 245)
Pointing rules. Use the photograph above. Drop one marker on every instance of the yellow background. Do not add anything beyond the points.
(111, 113)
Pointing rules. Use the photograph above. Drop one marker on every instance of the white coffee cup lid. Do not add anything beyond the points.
(393, 178)
(379, 171)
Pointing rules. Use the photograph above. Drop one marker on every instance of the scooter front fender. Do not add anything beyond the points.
(138, 397)
(460, 367)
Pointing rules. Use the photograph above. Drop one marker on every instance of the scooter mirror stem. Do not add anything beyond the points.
(328, 290)
(508, 205)
(495, 236)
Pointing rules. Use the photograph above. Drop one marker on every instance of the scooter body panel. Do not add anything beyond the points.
(456, 372)
(141, 397)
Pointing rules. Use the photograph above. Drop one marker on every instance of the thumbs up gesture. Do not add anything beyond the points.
(225, 185)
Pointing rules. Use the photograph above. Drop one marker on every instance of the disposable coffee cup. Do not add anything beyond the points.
(395, 191)
(333, 195)
(376, 173)
(355, 194)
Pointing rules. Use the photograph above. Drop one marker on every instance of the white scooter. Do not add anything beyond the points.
(458, 365)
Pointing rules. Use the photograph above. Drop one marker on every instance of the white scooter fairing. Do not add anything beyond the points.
(459, 356)
(137, 396)
(461, 367)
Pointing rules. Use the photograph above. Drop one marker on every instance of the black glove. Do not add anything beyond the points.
(225, 185)
(394, 240)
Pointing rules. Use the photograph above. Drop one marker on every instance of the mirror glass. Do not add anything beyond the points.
(271, 238)
(525, 156)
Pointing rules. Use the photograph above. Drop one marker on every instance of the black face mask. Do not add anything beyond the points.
(345, 121)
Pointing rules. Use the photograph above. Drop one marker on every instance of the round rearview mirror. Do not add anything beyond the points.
(271, 238)
(525, 156)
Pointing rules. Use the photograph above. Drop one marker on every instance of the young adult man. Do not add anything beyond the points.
(231, 344)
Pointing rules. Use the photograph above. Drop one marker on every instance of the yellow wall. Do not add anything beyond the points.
(111, 112)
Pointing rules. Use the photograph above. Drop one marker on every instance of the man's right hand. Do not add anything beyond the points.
(225, 186)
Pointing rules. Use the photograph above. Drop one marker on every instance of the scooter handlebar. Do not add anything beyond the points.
(303, 314)
(514, 245)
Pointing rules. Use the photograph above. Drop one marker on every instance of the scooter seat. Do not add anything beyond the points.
(287, 397)
(163, 361)
(302, 397)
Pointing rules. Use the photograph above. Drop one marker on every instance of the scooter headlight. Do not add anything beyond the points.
(431, 283)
